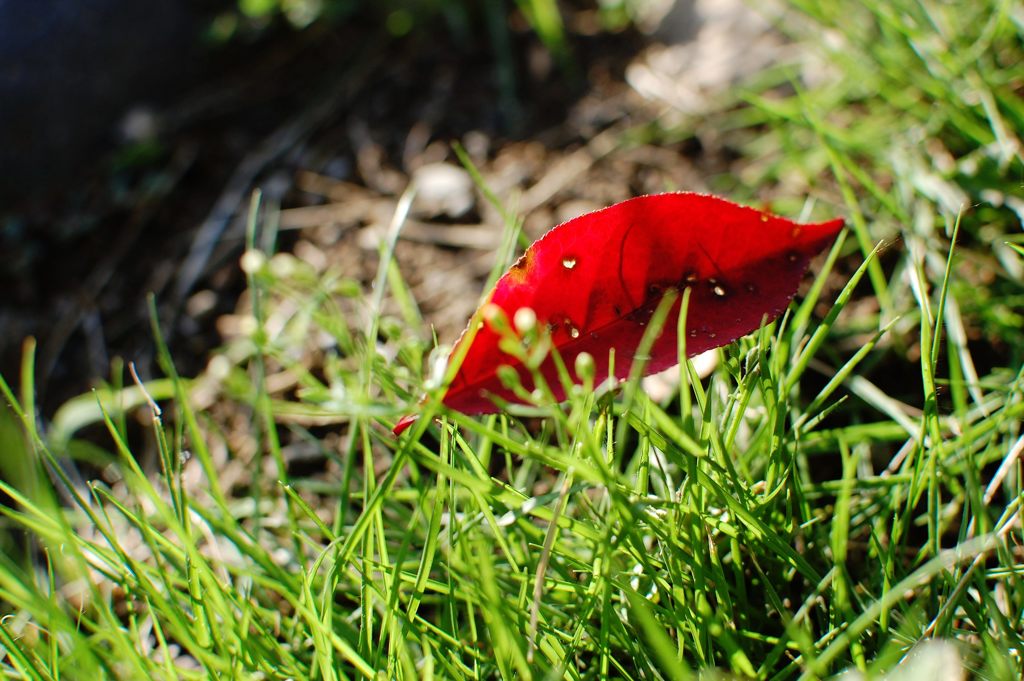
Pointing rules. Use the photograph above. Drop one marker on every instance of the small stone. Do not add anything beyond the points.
(443, 189)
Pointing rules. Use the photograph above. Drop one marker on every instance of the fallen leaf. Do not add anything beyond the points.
(594, 282)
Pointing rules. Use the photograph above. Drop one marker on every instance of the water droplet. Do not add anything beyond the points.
(792, 256)
(691, 277)
(574, 332)
(719, 291)
(568, 262)
(693, 333)
(712, 334)
(750, 288)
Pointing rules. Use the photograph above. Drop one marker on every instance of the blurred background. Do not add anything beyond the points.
(134, 133)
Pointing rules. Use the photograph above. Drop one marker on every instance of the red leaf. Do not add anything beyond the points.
(596, 280)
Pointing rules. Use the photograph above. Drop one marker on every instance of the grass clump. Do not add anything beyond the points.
(843, 486)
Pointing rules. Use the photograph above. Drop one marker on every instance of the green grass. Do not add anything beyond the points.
(846, 484)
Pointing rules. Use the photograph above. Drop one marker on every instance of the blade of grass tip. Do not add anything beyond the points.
(546, 21)
(512, 236)
(308, 511)
(136, 479)
(685, 398)
(267, 437)
(948, 315)
(403, 296)
(838, 377)
(940, 311)
(931, 433)
(803, 313)
(28, 393)
(640, 359)
(387, 255)
(116, 386)
(88, 408)
(860, 228)
(1013, 454)
(542, 564)
(799, 365)
(170, 462)
(962, 362)
(181, 399)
